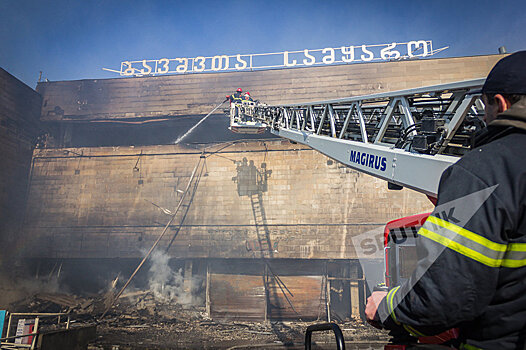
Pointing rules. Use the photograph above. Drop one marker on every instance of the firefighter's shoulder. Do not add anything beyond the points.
(502, 157)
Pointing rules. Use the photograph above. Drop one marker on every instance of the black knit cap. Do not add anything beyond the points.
(508, 76)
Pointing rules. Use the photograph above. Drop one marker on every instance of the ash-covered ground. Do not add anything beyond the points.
(163, 314)
(139, 320)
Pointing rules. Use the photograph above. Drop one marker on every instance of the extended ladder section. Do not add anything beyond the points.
(407, 137)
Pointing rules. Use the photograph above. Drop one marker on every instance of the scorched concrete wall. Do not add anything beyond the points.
(19, 127)
(104, 202)
(193, 94)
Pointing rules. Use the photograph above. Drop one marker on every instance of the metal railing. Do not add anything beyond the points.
(340, 343)
(6, 342)
(444, 113)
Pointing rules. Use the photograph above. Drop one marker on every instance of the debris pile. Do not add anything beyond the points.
(54, 303)
(139, 320)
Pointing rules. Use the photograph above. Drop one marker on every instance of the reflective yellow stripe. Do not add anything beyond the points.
(390, 309)
(515, 255)
(513, 263)
(390, 306)
(517, 247)
(470, 253)
(469, 347)
(474, 246)
(467, 234)
(413, 331)
(406, 327)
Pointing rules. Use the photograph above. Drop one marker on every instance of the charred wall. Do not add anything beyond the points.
(19, 128)
(194, 94)
(267, 230)
(251, 196)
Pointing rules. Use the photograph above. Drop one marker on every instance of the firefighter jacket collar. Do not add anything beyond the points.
(515, 116)
(507, 122)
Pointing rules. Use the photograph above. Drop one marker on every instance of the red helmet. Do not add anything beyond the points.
(248, 93)
(239, 90)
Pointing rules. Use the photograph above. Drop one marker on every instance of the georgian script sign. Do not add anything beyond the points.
(285, 59)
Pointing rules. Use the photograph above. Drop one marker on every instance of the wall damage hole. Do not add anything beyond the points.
(140, 182)
(77, 171)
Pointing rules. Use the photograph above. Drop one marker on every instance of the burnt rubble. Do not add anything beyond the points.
(139, 321)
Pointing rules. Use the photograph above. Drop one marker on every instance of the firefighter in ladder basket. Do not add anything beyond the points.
(471, 272)
(236, 97)
(247, 97)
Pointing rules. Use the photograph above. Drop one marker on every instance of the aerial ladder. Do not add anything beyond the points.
(407, 138)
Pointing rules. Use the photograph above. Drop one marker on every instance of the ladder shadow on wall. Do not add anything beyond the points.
(252, 182)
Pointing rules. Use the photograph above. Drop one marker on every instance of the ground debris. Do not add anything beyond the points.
(53, 303)
(140, 321)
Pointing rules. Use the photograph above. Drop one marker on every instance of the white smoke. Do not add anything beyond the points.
(168, 285)
(15, 289)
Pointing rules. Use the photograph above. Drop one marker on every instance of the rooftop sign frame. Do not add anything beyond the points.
(275, 60)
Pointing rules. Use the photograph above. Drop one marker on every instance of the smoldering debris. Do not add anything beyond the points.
(168, 285)
(191, 329)
(165, 292)
(165, 310)
(13, 289)
(153, 318)
(54, 303)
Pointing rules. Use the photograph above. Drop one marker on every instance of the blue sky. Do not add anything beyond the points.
(74, 39)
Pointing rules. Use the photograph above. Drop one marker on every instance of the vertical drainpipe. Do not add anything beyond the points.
(207, 296)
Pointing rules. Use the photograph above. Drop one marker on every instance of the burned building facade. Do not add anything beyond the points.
(265, 227)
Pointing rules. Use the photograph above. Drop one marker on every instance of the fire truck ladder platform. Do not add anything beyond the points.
(406, 137)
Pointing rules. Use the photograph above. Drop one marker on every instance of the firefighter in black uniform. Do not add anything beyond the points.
(471, 272)
(237, 96)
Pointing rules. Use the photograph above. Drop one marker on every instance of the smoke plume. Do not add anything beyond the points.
(167, 285)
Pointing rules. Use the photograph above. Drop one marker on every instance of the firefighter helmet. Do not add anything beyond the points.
(239, 90)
